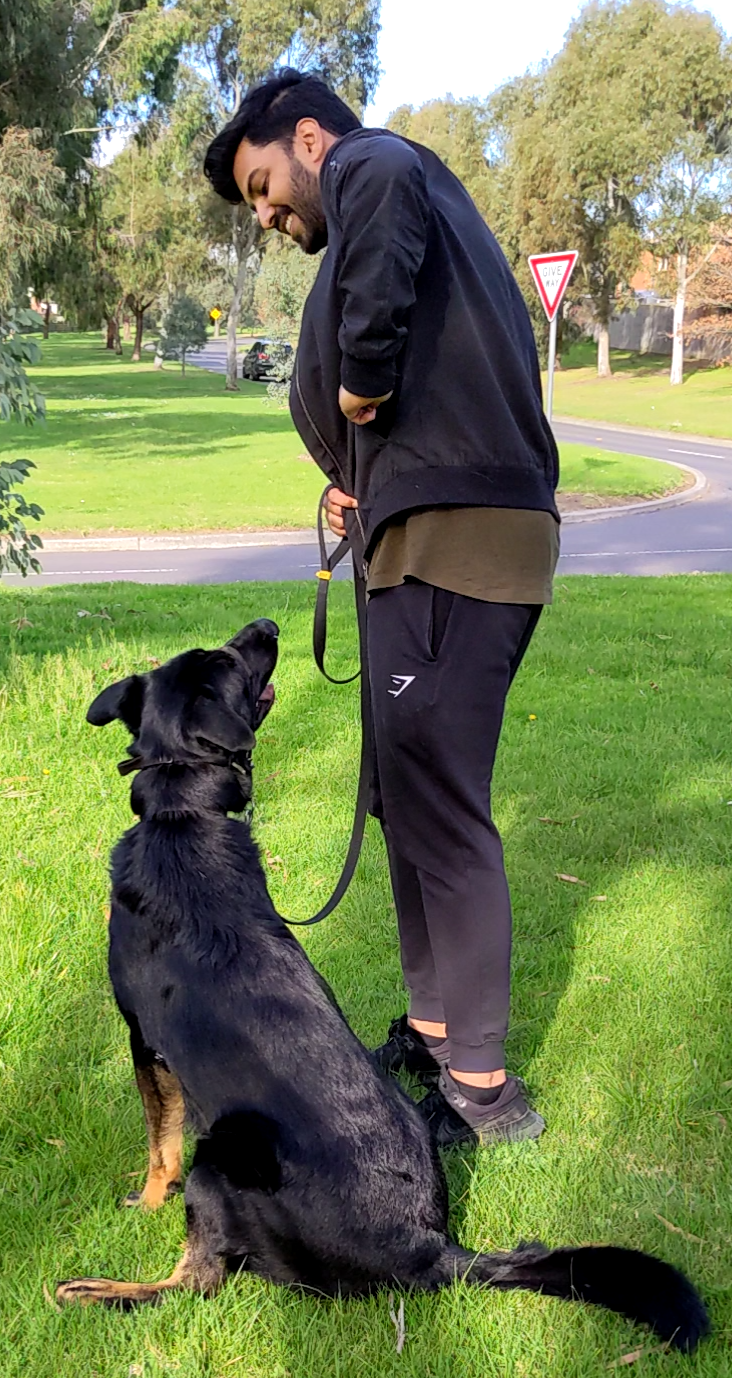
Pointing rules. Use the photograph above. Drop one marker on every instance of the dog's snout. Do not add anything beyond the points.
(260, 635)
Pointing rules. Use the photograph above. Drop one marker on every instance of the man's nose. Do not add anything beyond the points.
(265, 213)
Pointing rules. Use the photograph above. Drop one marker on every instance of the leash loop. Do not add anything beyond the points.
(328, 564)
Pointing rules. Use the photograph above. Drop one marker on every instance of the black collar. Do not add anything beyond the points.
(137, 763)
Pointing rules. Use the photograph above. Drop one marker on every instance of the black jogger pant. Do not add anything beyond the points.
(440, 666)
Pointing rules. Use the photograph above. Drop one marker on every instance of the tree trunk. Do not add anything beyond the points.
(138, 335)
(126, 329)
(112, 333)
(231, 360)
(183, 362)
(677, 352)
(243, 234)
(46, 319)
(217, 327)
(603, 351)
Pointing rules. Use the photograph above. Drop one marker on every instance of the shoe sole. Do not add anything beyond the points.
(530, 1126)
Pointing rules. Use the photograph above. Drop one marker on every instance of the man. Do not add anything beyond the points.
(416, 333)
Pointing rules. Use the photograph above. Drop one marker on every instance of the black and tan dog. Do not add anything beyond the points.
(312, 1168)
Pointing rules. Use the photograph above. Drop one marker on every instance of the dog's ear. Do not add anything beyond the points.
(121, 700)
(217, 723)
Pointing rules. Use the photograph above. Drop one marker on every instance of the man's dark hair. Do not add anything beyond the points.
(268, 114)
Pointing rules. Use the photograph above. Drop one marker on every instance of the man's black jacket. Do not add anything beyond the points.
(415, 295)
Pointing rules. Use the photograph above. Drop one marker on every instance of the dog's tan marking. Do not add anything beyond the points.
(162, 1102)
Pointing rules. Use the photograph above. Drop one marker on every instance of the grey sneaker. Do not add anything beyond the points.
(455, 1119)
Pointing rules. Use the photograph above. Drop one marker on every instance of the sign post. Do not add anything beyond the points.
(551, 273)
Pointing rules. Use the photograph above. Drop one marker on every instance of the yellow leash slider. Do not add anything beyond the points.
(324, 574)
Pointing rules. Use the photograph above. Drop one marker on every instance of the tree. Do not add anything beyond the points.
(138, 228)
(458, 131)
(579, 143)
(19, 401)
(622, 135)
(710, 289)
(234, 43)
(65, 69)
(30, 209)
(184, 329)
(278, 388)
(283, 283)
(155, 232)
(692, 189)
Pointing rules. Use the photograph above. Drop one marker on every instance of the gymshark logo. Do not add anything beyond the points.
(402, 681)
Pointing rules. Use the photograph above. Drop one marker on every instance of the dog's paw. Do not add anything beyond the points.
(153, 1196)
(122, 1295)
(82, 1290)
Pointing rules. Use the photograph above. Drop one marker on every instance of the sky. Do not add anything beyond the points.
(429, 48)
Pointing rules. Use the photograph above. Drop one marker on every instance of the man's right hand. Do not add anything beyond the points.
(334, 505)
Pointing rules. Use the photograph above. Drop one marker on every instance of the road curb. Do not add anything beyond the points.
(642, 431)
(229, 540)
(204, 540)
(629, 509)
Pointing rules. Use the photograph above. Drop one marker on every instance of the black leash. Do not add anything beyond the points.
(328, 563)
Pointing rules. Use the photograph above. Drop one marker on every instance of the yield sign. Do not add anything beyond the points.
(551, 274)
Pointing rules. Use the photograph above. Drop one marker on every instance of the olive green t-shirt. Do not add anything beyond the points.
(497, 554)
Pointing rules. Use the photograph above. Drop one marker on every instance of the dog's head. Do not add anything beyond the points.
(200, 706)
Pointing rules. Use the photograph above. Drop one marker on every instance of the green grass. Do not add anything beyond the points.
(621, 1011)
(128, 449)
(600, 474)
(639, 393)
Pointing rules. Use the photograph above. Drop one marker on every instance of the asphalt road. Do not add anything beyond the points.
(695, 537)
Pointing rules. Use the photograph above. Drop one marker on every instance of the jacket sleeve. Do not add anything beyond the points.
(383, 212)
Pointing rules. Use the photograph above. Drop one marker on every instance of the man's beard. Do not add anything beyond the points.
(307, 203)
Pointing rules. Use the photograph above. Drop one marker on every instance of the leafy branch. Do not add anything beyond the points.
(19, 401)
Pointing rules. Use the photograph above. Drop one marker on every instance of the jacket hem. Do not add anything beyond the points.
(452, 487)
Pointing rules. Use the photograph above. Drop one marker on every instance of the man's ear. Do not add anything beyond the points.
(222, 726)
(121, 700)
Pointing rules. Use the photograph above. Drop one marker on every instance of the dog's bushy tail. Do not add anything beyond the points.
(634, 1284)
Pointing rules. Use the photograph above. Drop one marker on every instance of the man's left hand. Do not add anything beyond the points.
(359, 410)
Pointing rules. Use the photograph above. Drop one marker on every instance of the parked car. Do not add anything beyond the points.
(265, 361)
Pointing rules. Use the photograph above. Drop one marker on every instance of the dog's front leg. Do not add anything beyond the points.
(162, 1102)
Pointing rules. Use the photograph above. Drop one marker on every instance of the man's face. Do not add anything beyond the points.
(284, 190)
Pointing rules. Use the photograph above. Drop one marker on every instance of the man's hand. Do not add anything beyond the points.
(334, 505)
(359, 410)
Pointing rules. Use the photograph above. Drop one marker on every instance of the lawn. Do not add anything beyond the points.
(614, 769)
(639, 393)
(126, 449)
